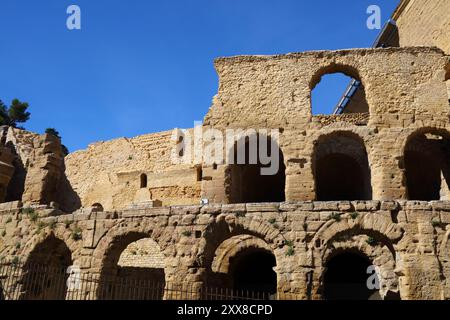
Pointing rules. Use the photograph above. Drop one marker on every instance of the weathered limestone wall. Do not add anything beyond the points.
(404, 88)
(424, 23)
(409, 241)
(38, 167)
(144, 253)
(277, 88)
(109, 173)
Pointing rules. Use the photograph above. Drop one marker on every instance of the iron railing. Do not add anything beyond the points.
(43, 282)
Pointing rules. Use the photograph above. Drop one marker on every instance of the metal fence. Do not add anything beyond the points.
(43, 282)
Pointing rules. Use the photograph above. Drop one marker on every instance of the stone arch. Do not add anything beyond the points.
(341, 168)
(426, 164)
(115, 277)
(376, 253)
(370, 223)
(45, 270)
(356, 89)
(246, 262)
(371, 235)
(97, 207)
(245, 180)
(225, 226)
(346, 69)
(232, 246)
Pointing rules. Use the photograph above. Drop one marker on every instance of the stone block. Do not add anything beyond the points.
(262, 207)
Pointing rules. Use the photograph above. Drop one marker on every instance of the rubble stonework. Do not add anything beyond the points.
(411, 248)
(124, 208)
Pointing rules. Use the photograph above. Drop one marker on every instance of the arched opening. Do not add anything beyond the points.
(143, 180)
(337, 90)
(45, 271)
(97, 207)
(252, 180)
(133, 269)
(346, 278)
(251, 270)
(341, 168)
(427, 165)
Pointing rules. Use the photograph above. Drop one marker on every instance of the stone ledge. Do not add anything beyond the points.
(185, 209)
(367, 205)
(390, 205)
(148, 212)
(10, 206)
(234, 208)
(307, 207)
(211, 209)
(441, 205)
(103, 215)
(417, 205)
(326, 205)
(262, 207)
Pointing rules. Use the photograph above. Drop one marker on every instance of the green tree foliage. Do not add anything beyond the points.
(54, 132)
(14, 114)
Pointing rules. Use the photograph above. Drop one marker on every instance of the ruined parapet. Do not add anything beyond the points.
(45, 172)
(39, 166)
(110, 173)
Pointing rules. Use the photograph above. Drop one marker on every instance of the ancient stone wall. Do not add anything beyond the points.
(109, 173)
(404, 88)
(119, 192)
(423, 23)
(407, 241)
(38, 166)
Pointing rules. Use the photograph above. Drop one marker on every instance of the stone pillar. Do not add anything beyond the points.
(45, 172)
(215, 184)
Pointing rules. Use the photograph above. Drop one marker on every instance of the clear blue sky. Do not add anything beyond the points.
(141, 66)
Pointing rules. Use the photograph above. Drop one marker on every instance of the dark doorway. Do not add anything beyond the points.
(143, 180)
(252, 270)
(340, 178)
(427, 166)
(247, 181)
(45, 272)
(346, 278)
(341, 168)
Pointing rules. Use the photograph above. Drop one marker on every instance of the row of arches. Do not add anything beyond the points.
(239, 259)
(341, 170)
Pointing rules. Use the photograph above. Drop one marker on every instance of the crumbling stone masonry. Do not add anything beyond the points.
(409, 241)
(357, 189)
